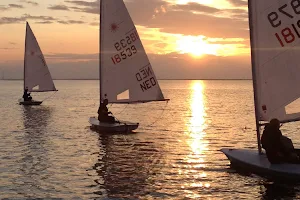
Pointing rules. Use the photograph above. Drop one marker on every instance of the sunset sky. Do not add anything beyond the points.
(184, 39)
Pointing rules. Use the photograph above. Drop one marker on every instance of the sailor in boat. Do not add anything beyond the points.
(26, 95)
(279, 148)
(103, 113)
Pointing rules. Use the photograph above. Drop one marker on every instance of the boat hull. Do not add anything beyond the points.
(30, 103)
(118, 127)
(249, 160)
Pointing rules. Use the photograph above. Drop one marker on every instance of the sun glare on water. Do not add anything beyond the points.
(196, 46)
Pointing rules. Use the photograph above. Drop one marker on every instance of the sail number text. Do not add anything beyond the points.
(146, 79)
(125, 48)
(288, 34)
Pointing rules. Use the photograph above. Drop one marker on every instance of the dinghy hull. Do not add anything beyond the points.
(119, 127)
(30, 103)
(248, 160)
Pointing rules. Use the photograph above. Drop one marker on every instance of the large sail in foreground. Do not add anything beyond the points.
(36, 73)
(275, 37)
(276, 51)
(124, 65)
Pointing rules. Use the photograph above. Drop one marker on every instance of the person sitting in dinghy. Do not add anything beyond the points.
(26, 95)
(279, 148)
(103, 113)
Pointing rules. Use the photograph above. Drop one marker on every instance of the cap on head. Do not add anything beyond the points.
(275, 123)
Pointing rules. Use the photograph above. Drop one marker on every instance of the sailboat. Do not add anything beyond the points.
(275, 40)
(126, 75)
(37, 77)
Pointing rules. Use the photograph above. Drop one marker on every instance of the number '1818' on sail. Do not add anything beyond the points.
(275, 49)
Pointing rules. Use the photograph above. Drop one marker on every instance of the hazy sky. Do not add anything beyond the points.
(187, 39)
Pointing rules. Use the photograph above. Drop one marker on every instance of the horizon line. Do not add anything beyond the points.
(175, 79)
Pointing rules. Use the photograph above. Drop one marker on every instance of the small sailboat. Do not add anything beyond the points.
(126, 75)
(37, 77)
(275, 41)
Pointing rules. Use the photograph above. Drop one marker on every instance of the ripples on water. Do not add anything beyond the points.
(49, 151)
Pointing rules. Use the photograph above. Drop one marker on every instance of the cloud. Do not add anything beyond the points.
(187, 19)
(10, 6)
(3, 8)
(227, 41)
(15, 6)
(70, 22)
(41, 17)
(239, 14)
(201, 24)
(85, 3)
(38, 19)
(79, 6)
(7, 48)
(87, 7)
(238, 2)
(44, 22)
(94, 23)
(58, 7)
(90, 10)
(179, 19)
(195, 7)
(11, 20)
(30, 2)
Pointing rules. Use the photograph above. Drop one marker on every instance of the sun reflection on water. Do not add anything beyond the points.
(195, 129)
(196, 125)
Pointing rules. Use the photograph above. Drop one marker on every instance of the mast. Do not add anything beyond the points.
(100, 49)
(254, 75)
(25, 57)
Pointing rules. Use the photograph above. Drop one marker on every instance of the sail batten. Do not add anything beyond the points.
(36, 72)
(44, 91)
(124, 64)
(275, 44)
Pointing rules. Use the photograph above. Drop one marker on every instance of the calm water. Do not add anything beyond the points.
(50, 152)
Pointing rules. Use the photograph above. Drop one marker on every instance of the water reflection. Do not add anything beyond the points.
(195, 129)
(196, 126)
(125, 166)
(34, 161)
(276, 190)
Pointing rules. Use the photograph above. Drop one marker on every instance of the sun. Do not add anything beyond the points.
(196, 46)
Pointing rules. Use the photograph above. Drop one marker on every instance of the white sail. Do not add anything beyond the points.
(124, 65)
(37, 77)
(276, 56)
